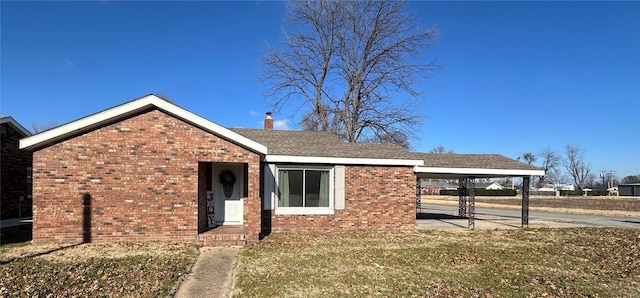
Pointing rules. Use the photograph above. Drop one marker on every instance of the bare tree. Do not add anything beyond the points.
(440, 149)
(391, 137)
(549, 162)
(346, 64)
(590, 181)
(630, 179)
(38, 127)
(528, 157)
(555, 176)
(575, 165)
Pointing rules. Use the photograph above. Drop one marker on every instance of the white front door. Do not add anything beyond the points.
(228, 182)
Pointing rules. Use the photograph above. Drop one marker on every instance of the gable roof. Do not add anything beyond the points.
(130, 108)
(9, 120)
(451, 165)
(298, 146)
(325, 147)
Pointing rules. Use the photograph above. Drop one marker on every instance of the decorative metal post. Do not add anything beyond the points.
(462, 197)
(525, 201)
(418, 196)
(472, 202)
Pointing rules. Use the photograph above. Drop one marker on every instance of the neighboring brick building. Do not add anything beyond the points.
(15, 186)
(148, 170)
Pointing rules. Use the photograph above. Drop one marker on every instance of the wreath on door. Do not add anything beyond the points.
(227, 179)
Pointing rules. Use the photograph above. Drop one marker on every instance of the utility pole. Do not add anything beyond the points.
(612, 175)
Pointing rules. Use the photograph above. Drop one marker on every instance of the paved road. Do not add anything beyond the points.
(445, 216)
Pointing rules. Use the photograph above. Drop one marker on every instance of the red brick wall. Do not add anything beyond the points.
(13, 175)
(375, 198)
(141, 175)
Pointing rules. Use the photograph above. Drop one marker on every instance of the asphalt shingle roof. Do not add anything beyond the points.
(326, 144)
(478, 161)
(321, 144)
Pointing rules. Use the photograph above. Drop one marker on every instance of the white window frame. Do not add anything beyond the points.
(304, 210)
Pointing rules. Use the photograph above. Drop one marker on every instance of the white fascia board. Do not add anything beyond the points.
(131, 107)
(478, 171)
(341, 160)
(15, 124)
(210, 126)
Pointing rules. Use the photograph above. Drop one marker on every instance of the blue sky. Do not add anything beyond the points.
(518, 77)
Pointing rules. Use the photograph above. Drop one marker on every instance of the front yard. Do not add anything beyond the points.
(483, 263)
(578, 262)
(118, 269)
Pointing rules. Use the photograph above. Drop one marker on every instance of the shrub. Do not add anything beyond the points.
(576, 193)
(482, 192)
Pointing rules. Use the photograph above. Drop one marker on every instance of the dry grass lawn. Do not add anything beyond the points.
(581, 262)
(120, 269)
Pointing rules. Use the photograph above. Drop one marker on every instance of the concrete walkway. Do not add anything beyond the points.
(211, 275)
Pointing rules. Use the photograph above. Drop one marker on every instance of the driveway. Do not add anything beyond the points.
(445, 217)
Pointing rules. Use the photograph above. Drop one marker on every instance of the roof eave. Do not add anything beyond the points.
(475, 172)
(9, 120)
(341, 160)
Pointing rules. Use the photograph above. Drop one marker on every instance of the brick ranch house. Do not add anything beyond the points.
(150, 170)
(15, 166)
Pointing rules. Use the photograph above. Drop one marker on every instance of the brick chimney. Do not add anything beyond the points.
(268, 122)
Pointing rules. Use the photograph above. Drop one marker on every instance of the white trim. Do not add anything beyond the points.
(269, 186)
(339, 187)
(15, 124)
(303, 211)
(341, 160)
(132, 107)
(478, 171)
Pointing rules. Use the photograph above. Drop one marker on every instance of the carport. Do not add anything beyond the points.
(468, 167)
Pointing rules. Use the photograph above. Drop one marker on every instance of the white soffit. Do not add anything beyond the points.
(478, 171)
(341, 160)
(131, 107)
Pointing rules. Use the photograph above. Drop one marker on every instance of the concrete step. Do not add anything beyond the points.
(218, 240)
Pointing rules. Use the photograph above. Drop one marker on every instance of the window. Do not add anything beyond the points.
(306, 190)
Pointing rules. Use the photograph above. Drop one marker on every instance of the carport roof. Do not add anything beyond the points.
(451, 166)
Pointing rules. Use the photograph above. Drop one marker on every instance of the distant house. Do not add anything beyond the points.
(632, 189)
(554, 187)
(489, 186)
(15, 180)
(570, 187)
(151, 170)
